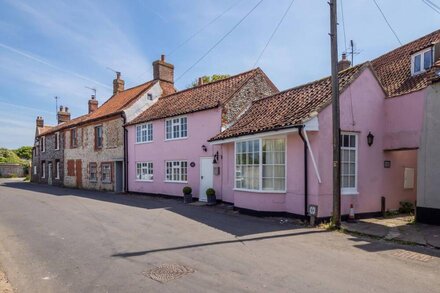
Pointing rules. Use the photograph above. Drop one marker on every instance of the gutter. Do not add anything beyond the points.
(306, 181)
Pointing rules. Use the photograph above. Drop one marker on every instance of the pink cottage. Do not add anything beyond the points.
(274, 155)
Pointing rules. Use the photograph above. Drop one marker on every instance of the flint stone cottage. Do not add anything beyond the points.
(48, 151)
(94, 144)
(278, 156)
(168, 143)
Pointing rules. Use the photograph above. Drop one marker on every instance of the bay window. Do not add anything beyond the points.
(260, 165)
(349, 149)
(144, 171)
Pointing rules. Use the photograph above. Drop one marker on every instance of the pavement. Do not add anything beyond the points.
(66, 240)
(398, 228)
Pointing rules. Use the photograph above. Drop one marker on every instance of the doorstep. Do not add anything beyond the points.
(400, 228)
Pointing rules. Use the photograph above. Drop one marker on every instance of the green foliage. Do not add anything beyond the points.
(8, 156)
(210, 192)
(209, 78)
(24, 152)
(187, 190)
(406, 207)
(27, 178)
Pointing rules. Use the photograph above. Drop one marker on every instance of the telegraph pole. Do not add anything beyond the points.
(336, 219)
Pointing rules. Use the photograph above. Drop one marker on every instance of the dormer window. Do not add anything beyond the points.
(150, 97)
(421, 61)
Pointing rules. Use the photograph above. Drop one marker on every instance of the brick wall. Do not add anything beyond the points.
(7, 170)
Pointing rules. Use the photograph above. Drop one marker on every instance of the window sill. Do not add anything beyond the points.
(261, 191)
(180, 138)
(181, 182)
(349, 192)
(140, 180)
(144, 142)
(107, 182)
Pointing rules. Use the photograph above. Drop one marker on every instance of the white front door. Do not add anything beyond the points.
(206, 177)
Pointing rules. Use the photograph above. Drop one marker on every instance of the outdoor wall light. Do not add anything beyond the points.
(370, 138)
(204, 148)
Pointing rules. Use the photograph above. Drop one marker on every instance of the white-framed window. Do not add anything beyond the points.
(106, 172)
(43, 144)
(144, 171)
(57, 140)
(421, 61)
(43, 169)
(144, 133)
(57, 169)
(260, 165)
(176, 171)
(93, 172)
(349, 163)
(176, 128)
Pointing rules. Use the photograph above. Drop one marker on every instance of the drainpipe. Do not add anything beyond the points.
(125, 153)
(306, 183)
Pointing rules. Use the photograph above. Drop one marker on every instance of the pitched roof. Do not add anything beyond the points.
(289, 108)
(197, 98)
(394, 68)
(113, 106)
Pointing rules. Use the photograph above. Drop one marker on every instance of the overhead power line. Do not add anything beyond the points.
(274, 32)
(388, 23)
(432, 5)
(221, 39)
(343, 26)
(203, 28)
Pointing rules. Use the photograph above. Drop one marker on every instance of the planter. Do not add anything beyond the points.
(212, 200)
(187, 198)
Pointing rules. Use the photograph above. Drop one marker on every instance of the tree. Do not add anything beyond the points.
(7, 156)
(209, 78)
(24, 152)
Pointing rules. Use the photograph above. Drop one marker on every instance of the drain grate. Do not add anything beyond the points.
(412, 255)
(168, 272)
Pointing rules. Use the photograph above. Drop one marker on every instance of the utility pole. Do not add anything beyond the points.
(336, 219)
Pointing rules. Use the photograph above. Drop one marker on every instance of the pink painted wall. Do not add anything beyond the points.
(404, 120)
(201, 126)
(362, 111)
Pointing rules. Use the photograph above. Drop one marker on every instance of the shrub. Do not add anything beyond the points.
(187, 190)
(406, 207)
(27, 178)
(210, 192)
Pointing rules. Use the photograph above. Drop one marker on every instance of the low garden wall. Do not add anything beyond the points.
(12, 170)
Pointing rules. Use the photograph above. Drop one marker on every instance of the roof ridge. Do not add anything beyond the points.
(310, 83)
(210, 83)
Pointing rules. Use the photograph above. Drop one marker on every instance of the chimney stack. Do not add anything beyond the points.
(93, 104)
(344, 63)
(118, 83)
(40, 121)
(200, 81)
(63, 115)
(163, 71)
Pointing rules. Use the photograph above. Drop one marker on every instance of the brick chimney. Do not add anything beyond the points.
(163, 71)
(118, 83)
(93, 104)
(200, 81)
(63, 115)
(344, 63)
(40, 121)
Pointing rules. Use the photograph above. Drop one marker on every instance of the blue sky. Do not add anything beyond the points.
(57, 48)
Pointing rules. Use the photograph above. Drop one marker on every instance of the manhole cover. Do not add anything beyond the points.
(412, 255)
(168, 272)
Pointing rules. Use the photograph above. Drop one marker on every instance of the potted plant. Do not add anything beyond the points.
(210, 194)
(187, 196)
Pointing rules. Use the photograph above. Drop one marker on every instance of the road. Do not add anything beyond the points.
(64, 240)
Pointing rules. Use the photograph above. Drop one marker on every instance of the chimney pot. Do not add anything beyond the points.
(200, 82)
(63, 115)
(40, 121)
(61, 108)
(162, 58)
(93, 104)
